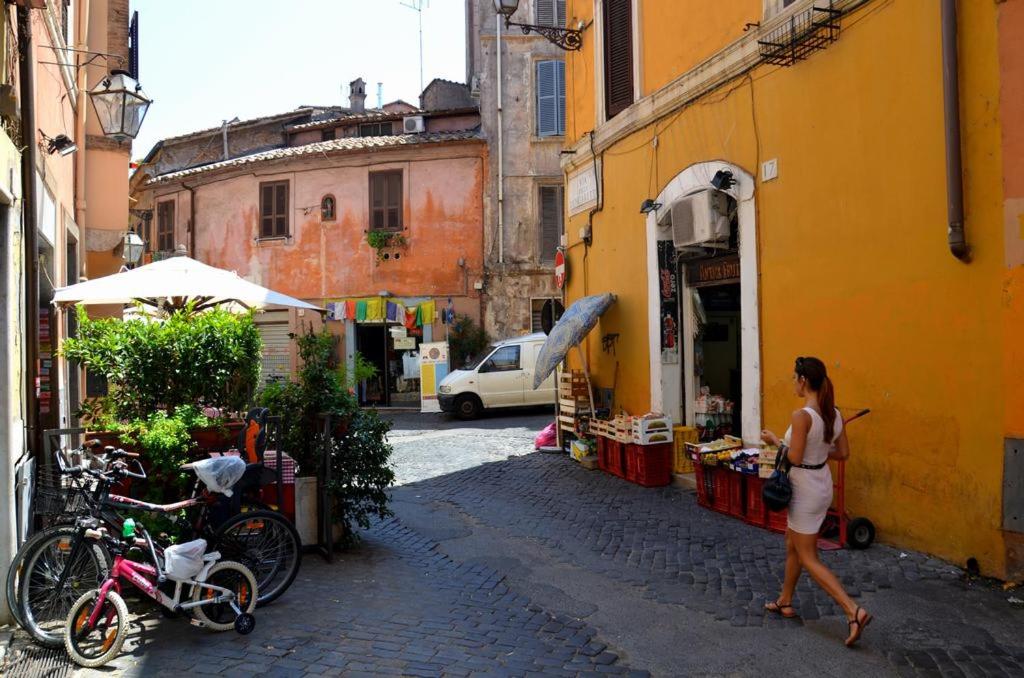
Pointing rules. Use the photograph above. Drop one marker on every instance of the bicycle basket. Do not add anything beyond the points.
(57, 495)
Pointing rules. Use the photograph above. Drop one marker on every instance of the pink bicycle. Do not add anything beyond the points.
(223, 595)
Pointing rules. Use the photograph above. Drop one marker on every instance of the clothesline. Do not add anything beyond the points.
(379, 309)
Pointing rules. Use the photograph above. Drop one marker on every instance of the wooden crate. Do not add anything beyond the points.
(572, 385)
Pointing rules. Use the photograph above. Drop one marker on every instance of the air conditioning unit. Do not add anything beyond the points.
(700, 219)
(413, 124)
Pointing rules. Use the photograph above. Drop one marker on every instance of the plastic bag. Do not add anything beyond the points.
(546, 438)
(184, 561)
(220, 473)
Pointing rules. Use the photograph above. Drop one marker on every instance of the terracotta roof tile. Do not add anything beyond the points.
(347, 144)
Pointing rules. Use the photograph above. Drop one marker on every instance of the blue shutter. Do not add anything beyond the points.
(560, 94)
(547, 98)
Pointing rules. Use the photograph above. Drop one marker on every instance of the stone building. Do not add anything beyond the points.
(523, 197)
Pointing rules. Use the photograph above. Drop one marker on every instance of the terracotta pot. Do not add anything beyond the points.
(220, 437)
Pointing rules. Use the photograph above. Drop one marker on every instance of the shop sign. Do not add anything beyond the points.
(561, 270)
(433, 368)
(668, 285)
(713, 271)
(405, 343)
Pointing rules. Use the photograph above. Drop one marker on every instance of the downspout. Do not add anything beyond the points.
(26, 77)
(191, 220)
(951, 108)
(81, 44)
(501, 167)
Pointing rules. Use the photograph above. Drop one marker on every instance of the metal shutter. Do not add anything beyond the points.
(550, 222)
(276, 349)
(618, 55)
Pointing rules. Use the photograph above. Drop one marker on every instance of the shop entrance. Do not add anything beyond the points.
(717, 376)
(372, 344)
(393, 351)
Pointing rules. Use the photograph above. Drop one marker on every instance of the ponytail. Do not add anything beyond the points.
(814, 371)
(827, 403)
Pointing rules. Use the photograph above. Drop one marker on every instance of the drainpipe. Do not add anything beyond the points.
(26, 77)
(501, 166)
(191, 220)
(81, 44)
(951, 108)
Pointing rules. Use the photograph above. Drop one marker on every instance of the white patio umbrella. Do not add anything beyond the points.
(172, 283)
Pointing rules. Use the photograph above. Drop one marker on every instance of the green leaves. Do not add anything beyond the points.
(210, 358)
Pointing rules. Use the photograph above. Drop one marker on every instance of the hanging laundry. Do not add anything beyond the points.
(427, 310)
(410, 317)
(361, 311)
(350, 309)
(375, 309)
(400, 313)
(393, 313)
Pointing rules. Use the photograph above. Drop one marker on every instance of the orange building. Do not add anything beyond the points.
(381, 208)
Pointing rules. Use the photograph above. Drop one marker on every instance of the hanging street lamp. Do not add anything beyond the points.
(566, 38)
(120, 105)
(131, 248)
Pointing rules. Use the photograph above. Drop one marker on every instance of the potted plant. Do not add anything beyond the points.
(382, 240)
(356, 445)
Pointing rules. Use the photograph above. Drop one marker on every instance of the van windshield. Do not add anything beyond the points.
(473, 362)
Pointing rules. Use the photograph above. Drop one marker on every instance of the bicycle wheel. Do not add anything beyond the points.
(234, 577)
(98, 645)
(18, 565)
(44, 607)
(265, 542)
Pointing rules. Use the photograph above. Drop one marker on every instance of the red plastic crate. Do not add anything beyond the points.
(720, 490)
(611, 456)
(704, 475)
(735, 488)
(649, 465)
(756, 513)
(776, 521)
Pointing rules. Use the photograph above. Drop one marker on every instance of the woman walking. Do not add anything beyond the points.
(815, 435)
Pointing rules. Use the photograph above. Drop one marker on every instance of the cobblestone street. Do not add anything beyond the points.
(529, 564)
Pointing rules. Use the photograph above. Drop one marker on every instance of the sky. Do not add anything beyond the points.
(205, 61)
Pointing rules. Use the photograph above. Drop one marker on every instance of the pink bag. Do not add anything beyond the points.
(546, 438)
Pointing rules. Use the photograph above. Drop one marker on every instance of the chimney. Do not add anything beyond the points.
(357, 95)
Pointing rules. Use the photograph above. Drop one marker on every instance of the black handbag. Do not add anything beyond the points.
(777, 490)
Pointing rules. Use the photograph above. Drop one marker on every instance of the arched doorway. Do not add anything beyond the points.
(673, 385)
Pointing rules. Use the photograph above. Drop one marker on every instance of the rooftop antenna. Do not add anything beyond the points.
(417, 6)
(380, 95)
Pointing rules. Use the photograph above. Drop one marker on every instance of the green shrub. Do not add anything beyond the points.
(466, 340)
(210, 358)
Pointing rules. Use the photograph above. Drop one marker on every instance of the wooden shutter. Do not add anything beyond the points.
(547, 99)
(551, 13)
(386, 201)
(165, 226)
(618, 55)
(274, 209)
(550, 222)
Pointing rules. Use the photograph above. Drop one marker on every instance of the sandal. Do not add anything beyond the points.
(857, 625)
(780, 609)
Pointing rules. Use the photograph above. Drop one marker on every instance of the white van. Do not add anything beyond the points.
(503, 377)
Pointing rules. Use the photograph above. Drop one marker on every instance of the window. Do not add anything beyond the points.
(327, 135)
(386, 201)
(327, 208)
(505, 359)
(550, 222)
(375, 129)
(618, 56)
(550, 98)
(551, 13)
(165, 226)
(552, 308)
(274, 209)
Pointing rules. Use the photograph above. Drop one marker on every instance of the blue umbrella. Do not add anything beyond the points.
(569, 331)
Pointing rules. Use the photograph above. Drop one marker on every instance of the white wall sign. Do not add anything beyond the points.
(582, 190)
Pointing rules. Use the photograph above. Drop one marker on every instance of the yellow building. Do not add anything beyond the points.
(823, 124)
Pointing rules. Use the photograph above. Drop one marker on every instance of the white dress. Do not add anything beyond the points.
(812, 488)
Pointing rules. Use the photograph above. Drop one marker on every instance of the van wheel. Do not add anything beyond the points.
(468, 406)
